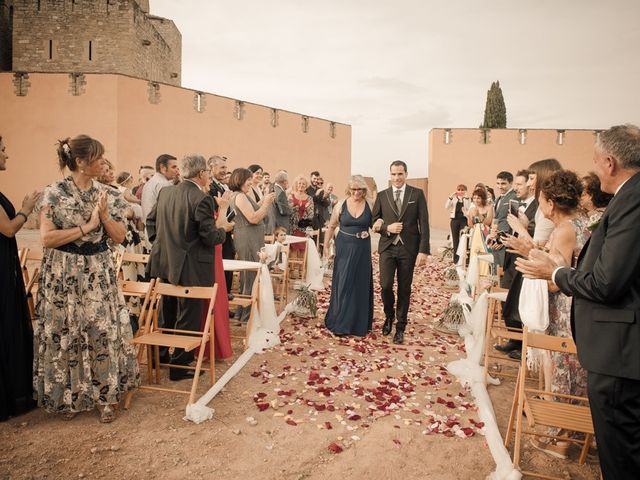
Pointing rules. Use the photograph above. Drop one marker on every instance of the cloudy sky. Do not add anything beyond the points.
(394, 70)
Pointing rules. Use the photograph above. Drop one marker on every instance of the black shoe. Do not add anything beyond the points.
(230, 296)
(398, 338)
(386, 328)
(177, 374)
(515, 354)
(510, 346)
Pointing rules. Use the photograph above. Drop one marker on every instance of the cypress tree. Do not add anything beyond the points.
(495, 112)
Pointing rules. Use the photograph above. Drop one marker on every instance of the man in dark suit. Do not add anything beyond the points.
(605, 313)
(511, 279)
(218, 190)
(400, 215)
(182, 229)
(281, 208)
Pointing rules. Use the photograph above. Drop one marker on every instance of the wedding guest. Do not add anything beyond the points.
(281, 207)
(218, 189)
(145, 173)
(182, 228)
(267, 185)
(458, 205)
(594, 201)
(559, 201)
(302, 214)
(256, 191)
(320, 199)
(166, 173)
(16, 334)
(480, 212)
(249, 226)
(351, 305)
(83, 353)
(506, 193)
(605, 286)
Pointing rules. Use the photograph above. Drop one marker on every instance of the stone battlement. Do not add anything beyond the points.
(89, 36)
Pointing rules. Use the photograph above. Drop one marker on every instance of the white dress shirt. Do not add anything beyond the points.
(150, 193)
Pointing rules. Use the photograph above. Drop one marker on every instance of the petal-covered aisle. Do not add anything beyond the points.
(345, 384)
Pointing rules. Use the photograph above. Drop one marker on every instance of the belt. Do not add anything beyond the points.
(87, 248)
(362, 235)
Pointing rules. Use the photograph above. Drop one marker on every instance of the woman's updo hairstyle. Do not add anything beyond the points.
(564, 189)
(82, 147)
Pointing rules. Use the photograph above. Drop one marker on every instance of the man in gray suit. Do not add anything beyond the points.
(605, 313)
(182, 228)
(504, 182)
(280, 206)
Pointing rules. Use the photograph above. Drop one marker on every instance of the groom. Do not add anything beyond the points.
(400, 215)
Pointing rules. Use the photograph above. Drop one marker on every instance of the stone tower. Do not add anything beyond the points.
(89, 36)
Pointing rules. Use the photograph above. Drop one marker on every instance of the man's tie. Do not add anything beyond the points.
(398, 207)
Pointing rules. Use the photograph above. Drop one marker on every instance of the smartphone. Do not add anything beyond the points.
(514, 205)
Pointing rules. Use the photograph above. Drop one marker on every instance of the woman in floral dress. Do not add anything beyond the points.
(83, 358)
(302, 214)
(559, 201)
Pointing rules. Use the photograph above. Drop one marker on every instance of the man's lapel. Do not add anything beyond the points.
(391, 200)
(408, 196)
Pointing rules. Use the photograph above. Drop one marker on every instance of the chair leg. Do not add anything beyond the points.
(149, 352)
(585, 449)
(156, 352)
(127, 399)
(512, 414)
(212, 353)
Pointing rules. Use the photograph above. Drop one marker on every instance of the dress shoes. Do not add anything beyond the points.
(386, 328)
(398, 338)
(515, 354)
(177, 374)
(510, 346)
(230, 296)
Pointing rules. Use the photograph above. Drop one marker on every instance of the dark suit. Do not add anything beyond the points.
(605, 318)
(320, 203)
(281, 208)
(183, 232)
(216, 189)
(400, 257)
(512, 279)
(500, 219)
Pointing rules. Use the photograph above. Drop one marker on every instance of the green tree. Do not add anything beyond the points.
(495, 112)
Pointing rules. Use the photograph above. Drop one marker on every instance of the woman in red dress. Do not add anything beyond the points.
(222, 340)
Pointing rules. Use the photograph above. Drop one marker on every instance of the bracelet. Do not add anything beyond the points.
(22, 215)
(81, 231)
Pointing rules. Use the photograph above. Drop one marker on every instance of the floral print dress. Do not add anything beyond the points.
(568, 376)
(82, 351)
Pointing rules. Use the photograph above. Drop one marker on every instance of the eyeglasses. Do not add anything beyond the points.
(357, 189)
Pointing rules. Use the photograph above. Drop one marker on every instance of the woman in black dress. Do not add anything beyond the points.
(351, 307)
(16, 333)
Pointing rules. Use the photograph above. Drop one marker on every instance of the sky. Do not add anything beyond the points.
(393, 70)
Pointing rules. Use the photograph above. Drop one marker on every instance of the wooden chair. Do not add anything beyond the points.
(280, 281)
(128, 257)
(300, 262)
(269, 238)
(242, 300)
(548, 409)
(144, 292)
(31, 258)
(495, 331)
(154, 337)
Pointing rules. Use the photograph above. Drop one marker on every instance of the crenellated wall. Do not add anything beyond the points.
(90, 36)
(471, 155)
(137, 121)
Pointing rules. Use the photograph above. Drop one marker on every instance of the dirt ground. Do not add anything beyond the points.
(315, 407)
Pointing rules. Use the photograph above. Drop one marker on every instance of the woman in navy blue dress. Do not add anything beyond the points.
(351, 308)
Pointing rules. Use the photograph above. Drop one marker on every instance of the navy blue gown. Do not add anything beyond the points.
(351, 308)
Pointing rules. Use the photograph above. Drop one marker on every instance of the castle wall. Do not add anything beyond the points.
(6, 28)
(466, 159)
(117, 110)
(112, 36)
